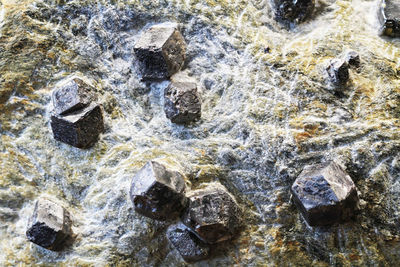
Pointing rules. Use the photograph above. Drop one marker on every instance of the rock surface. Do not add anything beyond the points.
(389, 17)
(265, 116)
(182, 102)
(293, 10)
(189, 246)
(160, 51)
(72, 96)
(325, 194)
(81, 128)
(157, 192)
(49, 226)
(338, 72)
(212, 214)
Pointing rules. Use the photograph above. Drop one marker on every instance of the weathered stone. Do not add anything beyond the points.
(338, 72)
(187, 243)
(325, 194)
(72, 96)
(157, 192)
(294, 11)
(353, 58)
(80, 128)
(49, 226)
(212, 214)
(389, 17)
(160, 51)
(182, 103)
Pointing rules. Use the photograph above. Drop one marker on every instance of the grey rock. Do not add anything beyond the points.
(338, 72)
(79, 129)
(353, 58)
(72, 96)
(182, 103)
(287, 11)
(160, 51)
(189, 246)
(49, 226)
(325, 194)
(212, 214)
(389, 18)
(157, 192)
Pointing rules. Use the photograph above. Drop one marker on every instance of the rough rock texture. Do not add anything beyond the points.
(212, 214)
(293, 10)
(182, 102)
(264, 117)
(353, 59)
(389, 17)
(189, 246)
(80, 128)
(325, 194)
(161, 51)
(338, 72)
(49, 226)
(157, 192)
(72, 96)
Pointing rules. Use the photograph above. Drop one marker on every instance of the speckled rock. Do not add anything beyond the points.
(80, 128)
(389, 17)
(158, 192)
(182, 102)
(325, 194)
(338, 72)
(71, 96)
(49, 226)
(189, 246)
(293, 11)
(160, 51)
(264, 117)
(212, 213)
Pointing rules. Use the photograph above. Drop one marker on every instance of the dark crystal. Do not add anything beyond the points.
(338, 72)
(49, 226)
(72, 96)
(157, 192)
(212, 214)
(325, 194)
(79, 129)
(160, 51)
(389, 17)
(189, 246)
(182, 102)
